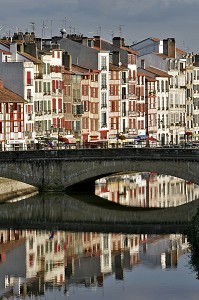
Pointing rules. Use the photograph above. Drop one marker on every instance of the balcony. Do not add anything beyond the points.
(38, 76)
(132, 113)
(125, 96)
(104, 105)
(103, 68)
(30, 98)
(124, 80)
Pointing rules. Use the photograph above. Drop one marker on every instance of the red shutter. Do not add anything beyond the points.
(28, 109)
(53, 84)
(54, 103)
(68, 90)
(28, 77)
(57, 84)
(59, 103)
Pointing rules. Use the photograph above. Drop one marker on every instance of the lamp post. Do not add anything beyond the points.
(117, 132)
(58, 130)
(117, 127)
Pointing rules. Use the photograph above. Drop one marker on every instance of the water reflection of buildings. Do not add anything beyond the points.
(146, 190)
(58, 260)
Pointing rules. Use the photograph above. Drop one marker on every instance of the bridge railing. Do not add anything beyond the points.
(109, 153)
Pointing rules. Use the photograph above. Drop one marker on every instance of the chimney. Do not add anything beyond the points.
(116, 58)
(67, 60)
(118, 41)
(13, 50)
(97, 41)
(169, 47)
(31, 48)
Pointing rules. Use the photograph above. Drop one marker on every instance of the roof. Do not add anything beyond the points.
(84, 70)
(114, 67)
(8, 42)
(5, 52)
(7, 96)
(30, 57)
(129, 50)
(149, 38)
(150, 78)
(158, 72)
(180, 51)
(140, 73)
(161, 55)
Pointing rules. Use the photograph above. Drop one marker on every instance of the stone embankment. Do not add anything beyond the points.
(15, 190)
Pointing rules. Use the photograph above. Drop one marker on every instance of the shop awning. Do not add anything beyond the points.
(16, 141)
(67, 140)
(188, 133)
(142, 137)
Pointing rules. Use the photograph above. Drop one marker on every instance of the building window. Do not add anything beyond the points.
(28, 78)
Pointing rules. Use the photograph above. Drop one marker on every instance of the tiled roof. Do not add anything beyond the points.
(7, 95)
(5, 52)
(83, 69)
(140, 73)
(158, 72)
(154, 39)
(30, 57)
(180, 51)
(8, 42)
(129, 50)
(150, 78)
(67, 71)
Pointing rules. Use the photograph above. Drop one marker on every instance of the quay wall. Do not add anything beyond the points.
(11, 189)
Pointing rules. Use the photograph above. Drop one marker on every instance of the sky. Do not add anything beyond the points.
(134, 20)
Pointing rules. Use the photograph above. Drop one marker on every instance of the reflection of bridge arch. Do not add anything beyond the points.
(62, 212)
(57, 170)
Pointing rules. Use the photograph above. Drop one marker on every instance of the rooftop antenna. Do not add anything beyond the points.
(44, 27)
(64, 22)
(51, 28)
(120, 30)
(112, 34)
(32, 24)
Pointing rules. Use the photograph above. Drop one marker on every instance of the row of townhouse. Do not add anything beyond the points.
(177, 86)
(96, 90)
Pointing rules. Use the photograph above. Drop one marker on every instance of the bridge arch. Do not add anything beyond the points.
(58, 170)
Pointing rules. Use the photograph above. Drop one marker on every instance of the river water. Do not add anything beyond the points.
(49, 261)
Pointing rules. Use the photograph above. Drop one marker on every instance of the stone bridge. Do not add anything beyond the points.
(56, 170)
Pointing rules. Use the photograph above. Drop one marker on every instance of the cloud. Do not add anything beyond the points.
(138, 18)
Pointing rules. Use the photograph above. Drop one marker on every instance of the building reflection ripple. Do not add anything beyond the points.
(32, 263)
(146, 190)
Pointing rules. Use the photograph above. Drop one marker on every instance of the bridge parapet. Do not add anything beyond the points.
(59, 169)
(139, 153)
